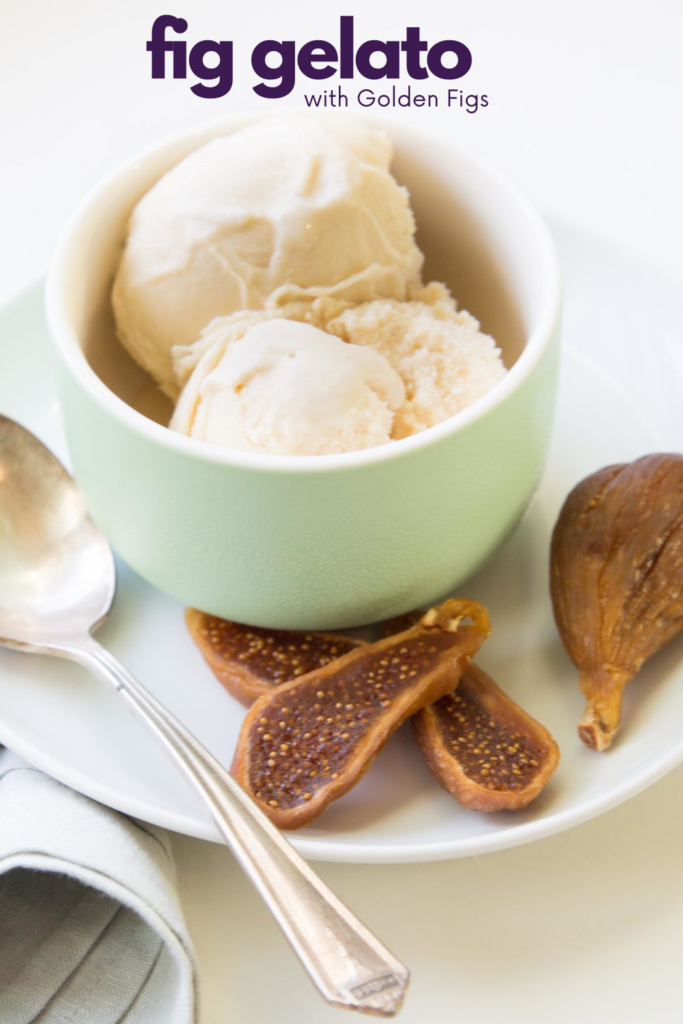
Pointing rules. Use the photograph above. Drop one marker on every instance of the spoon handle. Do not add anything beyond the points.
(350, 967)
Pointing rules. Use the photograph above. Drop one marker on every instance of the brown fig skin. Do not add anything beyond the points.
(484, 749)
(310, 741)
(250, 662)
(401, 622)
(616, 579)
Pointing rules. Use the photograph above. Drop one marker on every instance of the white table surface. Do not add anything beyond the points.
(585, 115)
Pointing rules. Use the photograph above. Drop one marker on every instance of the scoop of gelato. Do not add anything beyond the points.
(287, 388)
(226, 329)
(445, 361)
(289, 208)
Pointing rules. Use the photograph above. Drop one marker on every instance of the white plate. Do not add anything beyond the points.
(620, 391)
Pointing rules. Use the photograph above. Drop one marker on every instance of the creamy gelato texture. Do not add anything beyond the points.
(287, 388)
(444, 361)
(271, 284)
(440, 353)
(289, 208)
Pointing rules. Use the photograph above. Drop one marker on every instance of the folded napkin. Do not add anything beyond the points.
(91, 931)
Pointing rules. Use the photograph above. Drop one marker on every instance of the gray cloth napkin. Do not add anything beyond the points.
(91, 931)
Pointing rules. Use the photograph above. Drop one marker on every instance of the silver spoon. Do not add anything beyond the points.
(57, 583)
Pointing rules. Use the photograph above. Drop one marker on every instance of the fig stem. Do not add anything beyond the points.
(603, 692)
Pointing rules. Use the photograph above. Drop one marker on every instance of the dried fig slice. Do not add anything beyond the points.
(250, 661)
(484, 749)
(308, 742)
(616, 578)
(401, 622)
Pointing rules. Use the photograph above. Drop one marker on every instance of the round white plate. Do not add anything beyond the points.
(620, 392)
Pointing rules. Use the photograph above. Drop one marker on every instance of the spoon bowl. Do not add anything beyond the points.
(57, 573)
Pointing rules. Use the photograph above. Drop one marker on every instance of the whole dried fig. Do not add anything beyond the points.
(616, 579)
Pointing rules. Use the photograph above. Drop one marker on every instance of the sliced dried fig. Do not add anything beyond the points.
(483, 748)
(308, 742)
(401, 622)
(616, 578)
(250, 661)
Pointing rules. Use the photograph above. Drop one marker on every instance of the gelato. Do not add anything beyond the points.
(272, 281)
(288, 388)
(444, 360)
(439, 353)
(292, 206)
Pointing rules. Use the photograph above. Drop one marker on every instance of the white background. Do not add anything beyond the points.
(586, 105)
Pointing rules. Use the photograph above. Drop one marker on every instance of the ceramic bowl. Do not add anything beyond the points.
(334, 540)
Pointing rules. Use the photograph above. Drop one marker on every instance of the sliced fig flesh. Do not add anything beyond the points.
(484, 749)
(250, 662)
(309, 741)
(616, 578)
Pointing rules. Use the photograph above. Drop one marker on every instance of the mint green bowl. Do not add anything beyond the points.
(334, 540)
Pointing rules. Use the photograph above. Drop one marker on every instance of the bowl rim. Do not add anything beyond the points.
(66, 341)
